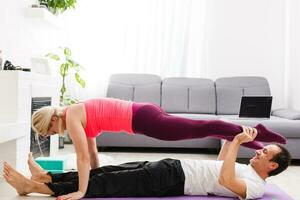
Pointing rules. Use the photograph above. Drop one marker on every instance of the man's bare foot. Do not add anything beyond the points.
(22, 184)
(37, 172)
(41, 178)
(33, 166)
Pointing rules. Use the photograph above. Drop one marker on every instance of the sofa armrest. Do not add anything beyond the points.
(287, 114)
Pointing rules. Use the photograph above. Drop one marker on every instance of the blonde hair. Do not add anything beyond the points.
(41, 119)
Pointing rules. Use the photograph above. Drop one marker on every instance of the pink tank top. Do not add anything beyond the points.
(107, 114)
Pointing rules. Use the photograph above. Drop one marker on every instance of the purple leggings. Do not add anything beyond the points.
(151, 120)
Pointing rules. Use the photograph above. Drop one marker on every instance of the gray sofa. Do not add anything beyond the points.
(198, 98)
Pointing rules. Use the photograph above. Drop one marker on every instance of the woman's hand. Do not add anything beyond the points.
(71, 196)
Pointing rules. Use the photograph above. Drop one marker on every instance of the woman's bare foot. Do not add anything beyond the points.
(22, 184)
(37, 172)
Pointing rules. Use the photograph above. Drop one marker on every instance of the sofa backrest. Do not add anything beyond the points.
(135, 87)
(188, 95)
(230, 90)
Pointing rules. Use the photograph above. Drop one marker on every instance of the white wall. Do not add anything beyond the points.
(259, 38)
(251, 37)
(246, 38)
(22, 37)
(293, 56)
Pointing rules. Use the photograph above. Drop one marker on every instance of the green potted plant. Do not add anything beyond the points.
(67, 66)
(58, 6)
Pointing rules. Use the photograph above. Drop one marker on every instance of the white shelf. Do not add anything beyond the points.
(11, 131)
(44, 15)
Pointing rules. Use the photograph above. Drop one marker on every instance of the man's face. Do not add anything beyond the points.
(261, 160)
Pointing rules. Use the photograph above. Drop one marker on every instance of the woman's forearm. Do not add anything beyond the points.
(94, 160)
(83, 165)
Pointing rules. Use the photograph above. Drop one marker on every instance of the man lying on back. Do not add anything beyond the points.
(167, 177)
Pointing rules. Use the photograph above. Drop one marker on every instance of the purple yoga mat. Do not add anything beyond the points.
(272, 193)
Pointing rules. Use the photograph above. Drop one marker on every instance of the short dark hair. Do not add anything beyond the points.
(283, 159)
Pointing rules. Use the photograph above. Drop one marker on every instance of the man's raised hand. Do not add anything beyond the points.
(248, 135)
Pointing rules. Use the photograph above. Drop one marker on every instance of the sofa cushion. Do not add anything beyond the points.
(202, 100)
(174, 98)
(230, 90)
(256, 91)
(286, 127)
(287, 114)
(120, 91)
(228, 100)
(197, 116)
(147, 93)
(138, 140)
(135, 87)
(188, 95)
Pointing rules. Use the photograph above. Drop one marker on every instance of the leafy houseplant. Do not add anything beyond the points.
(66, 66)
(58, 6)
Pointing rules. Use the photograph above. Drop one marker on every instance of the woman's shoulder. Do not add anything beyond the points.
(75, 110)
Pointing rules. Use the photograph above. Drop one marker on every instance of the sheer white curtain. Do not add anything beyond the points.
(163, 37)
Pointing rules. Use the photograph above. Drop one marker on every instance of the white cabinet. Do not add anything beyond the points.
(17, 89)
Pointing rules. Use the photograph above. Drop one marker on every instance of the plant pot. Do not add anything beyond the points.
(67, 139)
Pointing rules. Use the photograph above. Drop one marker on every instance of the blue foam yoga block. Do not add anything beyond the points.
(53, 165)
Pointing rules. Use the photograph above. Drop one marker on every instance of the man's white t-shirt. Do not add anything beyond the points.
(201, 178)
